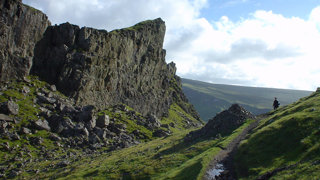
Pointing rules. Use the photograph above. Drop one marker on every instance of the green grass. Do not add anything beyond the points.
(28, 112)
(121, 117)
(162, 158)
(154, 158)
(135, 27)
(176, 117)
(289, 136)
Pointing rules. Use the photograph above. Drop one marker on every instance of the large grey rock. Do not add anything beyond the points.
(21, 27)
(54, 137)
(56, 123)
(82, 130)
(93, 139)
(117, 128)
(25, 130)
(153, 122)
(103, 121)
(86, 114)
(42, 125)
(44, 99)
(161, 133)
(102, 133)
(9, 107)
(4, 117)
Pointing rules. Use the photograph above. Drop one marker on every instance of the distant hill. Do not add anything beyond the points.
(210, 99)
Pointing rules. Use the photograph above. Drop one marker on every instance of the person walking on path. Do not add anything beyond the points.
(275, 103)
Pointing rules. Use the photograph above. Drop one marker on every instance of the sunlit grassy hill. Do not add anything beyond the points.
(286, 144)
(210, 99)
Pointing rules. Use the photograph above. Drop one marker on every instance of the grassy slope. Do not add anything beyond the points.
(164, 158)
(210, 99)
(289, 136)
(28, 112)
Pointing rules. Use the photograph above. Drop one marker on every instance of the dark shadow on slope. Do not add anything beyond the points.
(185, 146)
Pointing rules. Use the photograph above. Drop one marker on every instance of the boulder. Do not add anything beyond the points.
(3, 124)
(93, 139)
(161, 133)
(42, 125)
(25, 90)
(53, 88)
(103, 121)
(56, 123)
(14, 136)
(80, 129)
(54, 137)
(25, 130)
(153, 122)
(117, 128)
(4, 117)
(6, 146)
(36, 140)
(92, 123)
(67, 108)
(9, 107)
(86, 114)
(100, 132)
(45, 100)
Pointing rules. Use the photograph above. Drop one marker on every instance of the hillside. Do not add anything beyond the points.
(210, 99)
(285, 145)
(45, 134)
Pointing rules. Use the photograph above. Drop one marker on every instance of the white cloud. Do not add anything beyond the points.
(266, 49)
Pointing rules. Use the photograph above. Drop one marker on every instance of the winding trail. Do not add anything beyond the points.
(226, 155)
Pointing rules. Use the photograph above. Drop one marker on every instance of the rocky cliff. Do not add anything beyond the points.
(21, 27)
(106, 68)
(95, 67)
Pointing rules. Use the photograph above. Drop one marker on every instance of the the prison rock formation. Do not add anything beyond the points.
(94, 67)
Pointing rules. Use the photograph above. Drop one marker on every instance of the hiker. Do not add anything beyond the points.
(275, 103)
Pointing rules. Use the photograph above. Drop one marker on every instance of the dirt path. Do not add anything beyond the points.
(225, 157)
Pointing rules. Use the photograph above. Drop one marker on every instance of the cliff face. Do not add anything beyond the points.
(20, 29)
(106, 68)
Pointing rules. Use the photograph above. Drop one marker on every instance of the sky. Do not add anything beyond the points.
(260, 43)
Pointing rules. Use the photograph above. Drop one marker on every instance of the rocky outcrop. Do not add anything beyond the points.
(95, 67)
(222, 124)
(21, 27)
(107, 68)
